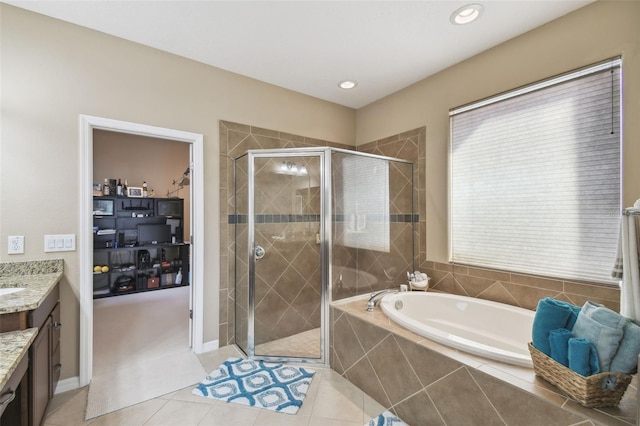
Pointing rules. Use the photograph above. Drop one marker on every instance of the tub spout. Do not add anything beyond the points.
(375, 297)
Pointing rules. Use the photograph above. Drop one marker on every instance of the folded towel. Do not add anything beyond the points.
(603, 328)
(625, 359)
(573, 316)
(583, 358)
(559, 343)
(551, 314)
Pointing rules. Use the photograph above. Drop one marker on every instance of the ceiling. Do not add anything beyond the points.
(310, 46)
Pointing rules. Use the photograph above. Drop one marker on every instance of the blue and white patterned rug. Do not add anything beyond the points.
(276, 387)
(386, 419)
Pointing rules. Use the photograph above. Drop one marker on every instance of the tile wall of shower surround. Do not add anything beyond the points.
(502, 286)
(235, 140)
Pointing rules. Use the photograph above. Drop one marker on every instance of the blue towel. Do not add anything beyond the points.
(573, 316)
(603, 328)
(551, 314)
(583, 358)
(626, 358)
(559, 342)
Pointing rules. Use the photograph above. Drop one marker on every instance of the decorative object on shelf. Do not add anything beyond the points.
(180, 183)
(134, 192)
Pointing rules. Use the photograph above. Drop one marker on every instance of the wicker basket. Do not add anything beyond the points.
(585, 390)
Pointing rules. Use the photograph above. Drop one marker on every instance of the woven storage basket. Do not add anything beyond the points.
(585, 390)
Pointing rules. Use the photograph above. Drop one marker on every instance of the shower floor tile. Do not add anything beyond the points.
(301, 345)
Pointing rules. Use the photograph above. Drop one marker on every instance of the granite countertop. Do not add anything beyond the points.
(14, 345)
(37, 278)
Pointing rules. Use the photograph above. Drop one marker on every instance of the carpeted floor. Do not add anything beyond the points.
(141, 349)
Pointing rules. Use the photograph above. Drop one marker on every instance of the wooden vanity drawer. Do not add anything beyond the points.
(56, 367)
(40, 315)
(56, 326)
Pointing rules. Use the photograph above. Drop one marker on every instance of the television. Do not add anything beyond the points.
(169, 207)
(103, 207)
(153, 233)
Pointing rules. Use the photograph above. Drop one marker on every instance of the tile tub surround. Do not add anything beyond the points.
(515, 288)
(424, 382)
(13, 347)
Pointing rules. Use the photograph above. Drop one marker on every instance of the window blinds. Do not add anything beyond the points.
(535, 178)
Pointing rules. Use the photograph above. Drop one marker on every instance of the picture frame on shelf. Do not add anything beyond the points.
(134, 192)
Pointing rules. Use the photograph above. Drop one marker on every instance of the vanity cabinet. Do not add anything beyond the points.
(43, 372)
(44, 354)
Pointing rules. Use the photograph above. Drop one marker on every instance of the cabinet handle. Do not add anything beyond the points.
(7, 398)
(57, 325)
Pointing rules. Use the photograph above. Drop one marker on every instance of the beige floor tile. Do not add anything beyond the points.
(339, 402)
(181, 413)
(316, 421)
(212, 360)
(135, 415)
(371, 408)
(230, 414)
(71, 413)
(186, 395)
(269, 418)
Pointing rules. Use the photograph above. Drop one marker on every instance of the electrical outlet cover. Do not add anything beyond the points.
(16, 244)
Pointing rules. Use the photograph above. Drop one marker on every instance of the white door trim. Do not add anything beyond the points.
(87, 125)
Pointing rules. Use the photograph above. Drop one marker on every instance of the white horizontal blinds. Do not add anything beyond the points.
(535, 180)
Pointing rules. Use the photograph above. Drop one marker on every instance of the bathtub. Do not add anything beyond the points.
(490, 329)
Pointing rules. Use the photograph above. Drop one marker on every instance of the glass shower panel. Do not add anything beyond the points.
(372, 233)
(241, 253)
(288, 269)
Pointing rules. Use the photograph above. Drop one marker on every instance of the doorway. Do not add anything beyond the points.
(89, 124)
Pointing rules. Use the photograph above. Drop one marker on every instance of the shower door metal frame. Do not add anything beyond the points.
(323, 155)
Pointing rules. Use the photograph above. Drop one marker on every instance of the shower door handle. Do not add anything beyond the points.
(258, 252)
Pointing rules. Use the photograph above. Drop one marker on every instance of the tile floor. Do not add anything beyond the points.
(331, 401)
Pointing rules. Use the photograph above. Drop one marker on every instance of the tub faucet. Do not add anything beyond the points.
(377, 296)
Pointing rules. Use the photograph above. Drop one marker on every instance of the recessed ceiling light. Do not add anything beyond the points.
(466, 14)
(347, 84)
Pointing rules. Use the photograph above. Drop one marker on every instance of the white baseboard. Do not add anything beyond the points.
(210, 346)
(67, 385)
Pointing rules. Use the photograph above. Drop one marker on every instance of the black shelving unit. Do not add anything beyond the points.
(138, 245)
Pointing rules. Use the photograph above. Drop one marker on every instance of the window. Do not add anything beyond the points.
(535, 177)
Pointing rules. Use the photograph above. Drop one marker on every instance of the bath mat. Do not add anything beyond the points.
(386, 419)
(275, 387)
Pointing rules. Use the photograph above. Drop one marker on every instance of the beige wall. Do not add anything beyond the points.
(141, 159)
(52, 71)
(596, 32)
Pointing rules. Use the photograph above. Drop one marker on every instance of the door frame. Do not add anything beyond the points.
(87, 125)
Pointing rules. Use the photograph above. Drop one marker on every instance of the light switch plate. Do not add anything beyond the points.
(62, 242)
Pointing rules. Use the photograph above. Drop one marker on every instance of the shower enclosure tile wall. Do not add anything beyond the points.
(235, 140)
(504, 286)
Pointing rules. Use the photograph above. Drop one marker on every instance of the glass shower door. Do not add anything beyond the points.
(285, 268)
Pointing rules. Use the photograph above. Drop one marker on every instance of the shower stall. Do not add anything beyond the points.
(314, 225)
